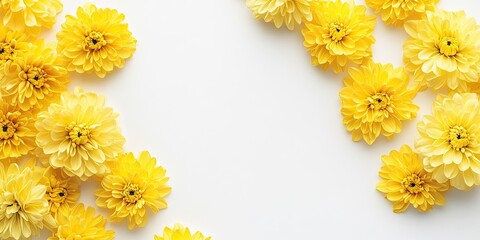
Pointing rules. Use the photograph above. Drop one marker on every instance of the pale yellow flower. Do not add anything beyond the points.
(34, 80)
(339, 35)
(132, 187)
(396, 12)
(96, 40)
(80, 223)
(62, 192)
(280, 12)
(13, 44)
(30, 15)
(79, 134)
(375, 101)
(179, 232)
(450, 140)
(405, 182)
(17, 131)
(23, 209)
(443, 50)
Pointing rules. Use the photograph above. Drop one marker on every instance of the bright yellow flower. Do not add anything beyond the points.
(396, 12)
(443, 50)
(34, 80)
(62, 192)
(288, 12)
(405, 182)
(375, 100)
(13, 44)
(131, 187)
(17, 133)
(79, 134)
(81, 223)
(450, 140)
(30, 15)
(96, 40)
(339, 35)
(23, 208)
(180, 232)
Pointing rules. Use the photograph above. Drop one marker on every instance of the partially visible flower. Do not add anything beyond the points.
(405, 182)
(450, 140)
(79, 134)
(288, 12)
(339, 34)
(23, 208)
(34, 80)
(96, 40)
(17, 131)
(80, 223)
(131, 187)
(13, 44)
(443, 50)
(30, 16)
(396, 12)
(375, 100)
(62, 192)
(179, 232)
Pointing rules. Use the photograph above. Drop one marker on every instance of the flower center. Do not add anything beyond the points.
(6, 51)
(94, 41)
(448, 46)
(132, 193)
(78, 134)
(379, 101)
(337, 31)
(36, 76)
(57, 195)
(8, 129)
(11, 205)
(459, 138)
(413, 184)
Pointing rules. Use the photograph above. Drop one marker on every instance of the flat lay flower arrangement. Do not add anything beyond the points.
(442, 53)
(52, 140)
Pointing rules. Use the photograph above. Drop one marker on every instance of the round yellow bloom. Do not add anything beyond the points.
(62, 192)
(96, 40)
(405, 182)
(131, 187)
(23, 207)
(79, 134)
(30, 15)
(17, 131)
(396, 12)
(13, 44)
(34, 80)
(375, 100)
(339, 35)
(450, 140)
(443, 50)
(180, 232)
(288, 12)
(81, 223)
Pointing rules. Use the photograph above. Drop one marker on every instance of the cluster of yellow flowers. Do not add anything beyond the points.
(441, 53)
(52, 139)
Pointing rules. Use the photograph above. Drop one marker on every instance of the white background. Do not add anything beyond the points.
(251, 133)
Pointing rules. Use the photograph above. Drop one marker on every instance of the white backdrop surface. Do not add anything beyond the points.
(250, 132)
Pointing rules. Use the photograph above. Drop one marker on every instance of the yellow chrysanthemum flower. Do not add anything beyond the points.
(79, 134)
(30, 15)
(405, 182)
(62, 192)
(450, 140)
(81, 223)
(443, 50)
(13, 44)
(96, 40)
(375, 100)
(340, 34)
(17, 133)
(288, 12)
(131, 187)
(179, 232)
(23, 207)
(396, 12)
(34, 80)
